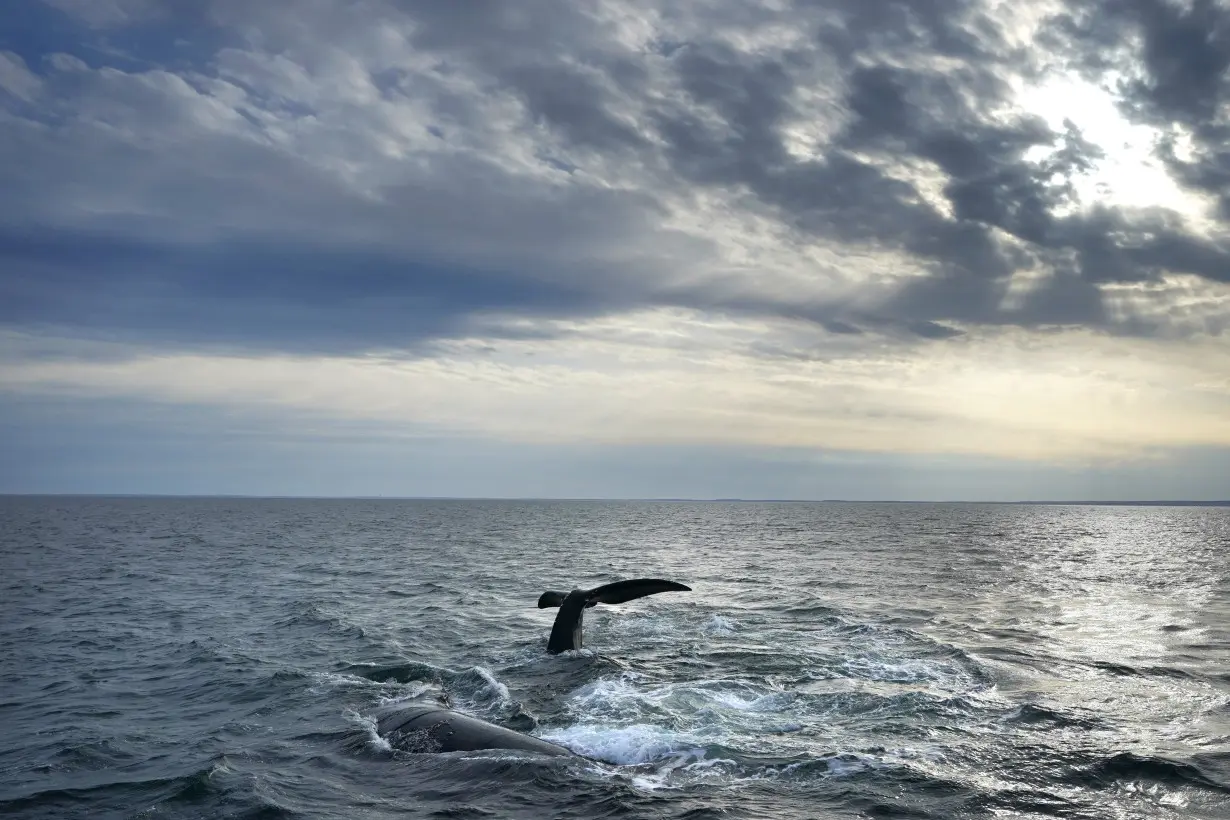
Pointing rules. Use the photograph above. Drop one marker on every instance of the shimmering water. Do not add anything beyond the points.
(222, 658)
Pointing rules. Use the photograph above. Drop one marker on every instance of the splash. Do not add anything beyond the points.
(720, 625)
(368, 725)
(622, 745)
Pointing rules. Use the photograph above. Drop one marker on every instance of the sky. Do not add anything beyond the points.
(860, 249)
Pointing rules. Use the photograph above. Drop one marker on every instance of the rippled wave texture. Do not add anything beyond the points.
(222, 658)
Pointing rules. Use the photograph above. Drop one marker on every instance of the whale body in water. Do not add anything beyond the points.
(422, 727)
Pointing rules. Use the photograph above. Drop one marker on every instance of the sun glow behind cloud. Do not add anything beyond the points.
(1130, 175)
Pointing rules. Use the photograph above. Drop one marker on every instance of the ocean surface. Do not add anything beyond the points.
(185, 658)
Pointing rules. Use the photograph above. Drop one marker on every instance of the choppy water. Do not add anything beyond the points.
(221, 658)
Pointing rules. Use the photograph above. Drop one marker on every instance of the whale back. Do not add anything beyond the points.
(425, 728)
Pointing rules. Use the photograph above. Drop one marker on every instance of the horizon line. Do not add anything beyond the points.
(1178, 502)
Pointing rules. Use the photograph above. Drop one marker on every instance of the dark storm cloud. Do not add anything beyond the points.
(302, 298)
(225, 235)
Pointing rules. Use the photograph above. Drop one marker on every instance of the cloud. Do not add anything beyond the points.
(1170, 62)
(418, 159)
(679, 377)
(885, 226)
(115, 446)
(107, 13)
(16, 79)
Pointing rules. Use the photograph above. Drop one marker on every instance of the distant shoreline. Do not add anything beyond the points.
(1041, 503)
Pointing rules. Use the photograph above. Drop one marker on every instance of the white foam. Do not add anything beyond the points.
(720, 625)
(220, 767)
(368, 725)
(685, 763)
(414, 691)
(845, 768)
(940, 676)
(689, 766)
(649, 784)
(493, 690)
(605, 693)
(328, 680)
(749, 702)
(623, 745)
(709, 709)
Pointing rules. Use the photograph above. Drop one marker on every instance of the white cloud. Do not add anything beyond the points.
(16, 78)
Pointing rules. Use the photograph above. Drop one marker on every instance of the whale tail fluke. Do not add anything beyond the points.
(621, 591)
(550, 598)
(566, 631)
(616, 593)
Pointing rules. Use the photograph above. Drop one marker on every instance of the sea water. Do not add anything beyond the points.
(177, 658)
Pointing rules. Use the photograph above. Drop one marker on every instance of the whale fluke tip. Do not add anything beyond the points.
(623, 591)
(550, 598)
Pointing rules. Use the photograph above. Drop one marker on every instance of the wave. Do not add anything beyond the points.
(653, 760)
(404, 672)
(621, 745)
(205, 786)
(1032, 714)
(673, 751)
(476, 685)
(316, 617)
(1124, 670)
(368, 727)
(1130, 767)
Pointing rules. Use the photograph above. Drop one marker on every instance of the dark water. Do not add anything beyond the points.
(221, 658)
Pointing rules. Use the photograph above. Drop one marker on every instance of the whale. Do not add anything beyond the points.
(566, 631)
(426, 727)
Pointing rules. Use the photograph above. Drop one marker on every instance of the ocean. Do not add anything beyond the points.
(203, 658)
